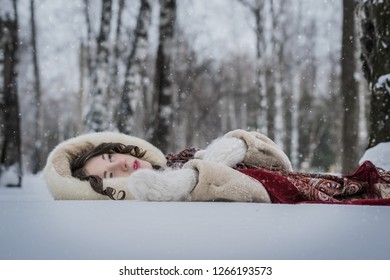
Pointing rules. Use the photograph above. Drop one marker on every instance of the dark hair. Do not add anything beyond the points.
(77, 163)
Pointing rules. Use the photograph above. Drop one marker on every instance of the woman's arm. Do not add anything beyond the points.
(248, 147)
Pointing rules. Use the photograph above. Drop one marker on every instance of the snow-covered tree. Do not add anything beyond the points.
(375, 56)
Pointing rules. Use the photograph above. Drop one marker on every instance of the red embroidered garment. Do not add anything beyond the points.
(176, 161)
(359, 188)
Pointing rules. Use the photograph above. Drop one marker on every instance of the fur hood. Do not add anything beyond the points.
(57, 173)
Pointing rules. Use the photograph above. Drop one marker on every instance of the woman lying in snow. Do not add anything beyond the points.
(240, 166)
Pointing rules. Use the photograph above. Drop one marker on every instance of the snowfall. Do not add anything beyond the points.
(35, 226)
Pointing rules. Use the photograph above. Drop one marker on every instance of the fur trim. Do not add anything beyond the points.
(57, 173)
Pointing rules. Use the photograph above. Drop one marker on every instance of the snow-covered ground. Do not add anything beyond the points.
(34, 226)
(378, 155)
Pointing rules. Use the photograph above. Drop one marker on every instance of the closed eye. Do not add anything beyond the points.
(109, 156)
(110, 175)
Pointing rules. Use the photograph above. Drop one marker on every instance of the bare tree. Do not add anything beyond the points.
(117, 46)
(10, 136)
(306, 99)
(86, 68)
(164, 84)
(98, 117)
(36, 159)
(135, 71)
(375, 56)
(256, 7)
(349, 89)
(285, 75)
(87, 47)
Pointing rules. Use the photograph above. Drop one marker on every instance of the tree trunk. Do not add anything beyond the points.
(135, 71)
(306, 99)
(272, 75)
(350, 130)
(81, 93)
(36, 160)
(98, 117)
(163, 77)
(257, 9)
(10, 136)
(305, 120)
(271, 99)
(87, 46)
(375, 56)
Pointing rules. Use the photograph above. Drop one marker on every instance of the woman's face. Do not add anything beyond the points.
(114, 165)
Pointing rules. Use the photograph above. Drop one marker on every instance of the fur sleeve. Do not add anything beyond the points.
(169, 185)
(261, 150)
(225, 150)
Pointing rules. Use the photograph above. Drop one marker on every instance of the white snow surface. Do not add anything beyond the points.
(384, 81)
(378, 155)
(34, 226)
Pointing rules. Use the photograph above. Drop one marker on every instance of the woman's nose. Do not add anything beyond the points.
(120, 164)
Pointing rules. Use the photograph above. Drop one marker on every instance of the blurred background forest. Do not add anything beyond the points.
(181, 73)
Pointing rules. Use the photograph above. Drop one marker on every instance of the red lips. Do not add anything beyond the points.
(136, 165)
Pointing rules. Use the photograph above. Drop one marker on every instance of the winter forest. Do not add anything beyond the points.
(313, 75)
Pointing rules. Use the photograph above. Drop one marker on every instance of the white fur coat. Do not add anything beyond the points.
(209, 177)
